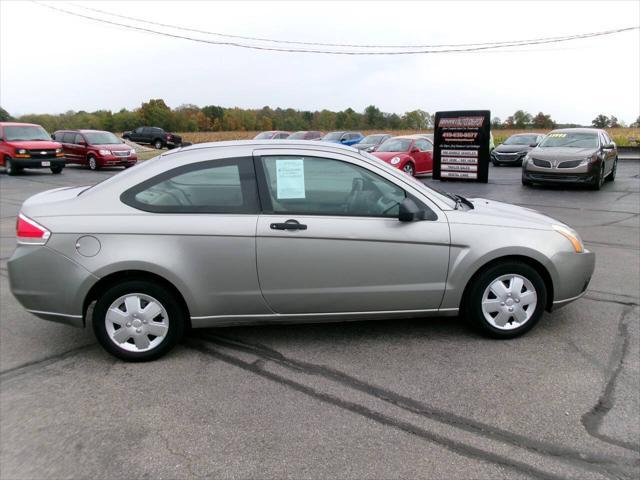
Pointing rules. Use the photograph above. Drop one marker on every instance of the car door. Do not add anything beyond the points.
(138, 134)
(329, 240)
(68, 145)
(80, 147)
(424, 156)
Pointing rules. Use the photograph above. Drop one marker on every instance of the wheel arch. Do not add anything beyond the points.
(126, 275)
(532, 262)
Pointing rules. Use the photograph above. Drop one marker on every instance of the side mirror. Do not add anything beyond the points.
(415, 150)
(343, 140)
(82, 143)
(533, 145)
(410, 212)
(611, 146)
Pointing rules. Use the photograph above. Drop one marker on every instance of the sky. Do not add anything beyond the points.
(51, 62)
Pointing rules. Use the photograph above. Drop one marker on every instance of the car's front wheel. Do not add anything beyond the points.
(409, 169)
(56, 170)
(93, 163)
(158, 144)
(612, 175)
(138, 320)
(598, 181)
(505, 300)
(9, 167)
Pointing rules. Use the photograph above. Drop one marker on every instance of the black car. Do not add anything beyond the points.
(514, 148)
(371, 142)
(154, 136)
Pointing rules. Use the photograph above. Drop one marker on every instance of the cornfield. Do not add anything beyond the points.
(622, 136)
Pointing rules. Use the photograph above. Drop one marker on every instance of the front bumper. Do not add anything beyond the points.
(48, 284)
(574, 274)
(39, 162)
(507, 158)
(558, 176)
(114, 161)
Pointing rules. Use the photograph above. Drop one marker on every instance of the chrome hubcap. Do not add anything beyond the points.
(408, 169)
(137, 322)
(509, 302)
(92, 163)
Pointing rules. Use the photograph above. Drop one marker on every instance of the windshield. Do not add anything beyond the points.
(263, 136)
(371, 139)
(521, 140)
(570, 140)
(333, 136)
(101, 138)
(297, 136)
(25, 132)
(395, 145)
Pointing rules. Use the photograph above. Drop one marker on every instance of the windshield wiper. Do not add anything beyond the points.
(465, 201)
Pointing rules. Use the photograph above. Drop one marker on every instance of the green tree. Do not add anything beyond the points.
(613, 122)
(417, 120)
(125, 120)
(521, 119)
(156, 113)
(543, 121)
(636, 124)
(496, 123)
(4, 115)
(601, 121)
(373, 117)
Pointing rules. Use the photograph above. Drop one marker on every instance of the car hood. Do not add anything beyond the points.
(114, 146)
(490, 212)
(35, 145)
(562, 153)
(386, 156)
(361, 146)
(512, 148)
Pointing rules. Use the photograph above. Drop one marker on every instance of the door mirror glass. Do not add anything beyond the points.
(533, 145)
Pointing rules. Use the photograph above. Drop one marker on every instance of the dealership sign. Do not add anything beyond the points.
(461, 145)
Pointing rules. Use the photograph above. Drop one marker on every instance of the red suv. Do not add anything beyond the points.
(95, 148)
(25, 145)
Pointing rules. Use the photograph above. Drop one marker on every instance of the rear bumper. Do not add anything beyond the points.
(48, 284)
(38, 162)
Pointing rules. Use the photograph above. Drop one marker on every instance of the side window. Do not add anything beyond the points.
(217, 186)
(423, 145)
(57, 136)
(322, 186)
(68, 137)
(78, 138)
(139, 130)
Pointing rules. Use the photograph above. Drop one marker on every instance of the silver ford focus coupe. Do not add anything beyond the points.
(282, 231)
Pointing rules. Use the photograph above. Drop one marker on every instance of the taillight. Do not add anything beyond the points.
(168, 136)
(31, 232)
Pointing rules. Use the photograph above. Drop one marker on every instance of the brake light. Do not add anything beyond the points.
(168, 136)
(31, 232)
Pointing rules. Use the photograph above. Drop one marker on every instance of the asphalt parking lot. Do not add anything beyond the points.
(387, 399)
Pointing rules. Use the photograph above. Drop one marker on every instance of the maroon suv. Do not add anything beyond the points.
(95, 148)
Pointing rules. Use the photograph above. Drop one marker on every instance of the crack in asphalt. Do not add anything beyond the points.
(592, 420)
(454, 446)
(28, 367)
(602, 464)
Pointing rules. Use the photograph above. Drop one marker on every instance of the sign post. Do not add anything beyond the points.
(461, 145)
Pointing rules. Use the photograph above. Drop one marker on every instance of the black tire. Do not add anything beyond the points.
(158, 144)
(92, 163)
(612, 174)
(56, 170)
(472, 301)
(495, 163)
(599, 180)
(176, 319)
(526, 183)
(10, 168)
(409, 169)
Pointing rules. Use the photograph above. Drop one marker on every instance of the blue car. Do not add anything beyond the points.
(345, 138)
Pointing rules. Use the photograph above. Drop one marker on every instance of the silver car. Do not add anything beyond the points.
(282, 231)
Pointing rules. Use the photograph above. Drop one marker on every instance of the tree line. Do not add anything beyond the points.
(191, 118)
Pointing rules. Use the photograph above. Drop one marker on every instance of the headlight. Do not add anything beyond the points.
(132, 152)
(21, 151)
(104, 152)
(570, 235)
(395, 160)
(58, 150)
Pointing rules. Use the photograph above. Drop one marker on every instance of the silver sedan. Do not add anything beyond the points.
(282, 231)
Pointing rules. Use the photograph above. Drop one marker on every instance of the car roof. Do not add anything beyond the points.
(417, 136)
(261, 143)
(525, 133)
(18, 124)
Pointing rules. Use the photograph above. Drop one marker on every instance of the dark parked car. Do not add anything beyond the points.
(371, 142)
(26, 145)
(95, 148)
(345, 138)
(572, 155)
(305, 135)
(272, 135)
(514, 148)
(154, 136)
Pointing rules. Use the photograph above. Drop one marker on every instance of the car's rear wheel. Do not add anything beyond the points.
(158, 144)
(138, 320)
(93, 163)
(612, 175)
(409, 169)
(505, 300)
